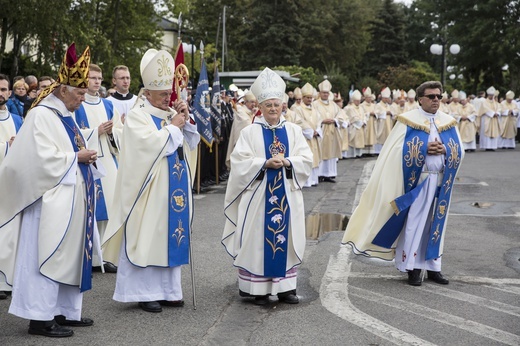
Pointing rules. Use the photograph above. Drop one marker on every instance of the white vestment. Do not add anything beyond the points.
(47, 189)
(7, 130)
(243, 235)
(136, 232)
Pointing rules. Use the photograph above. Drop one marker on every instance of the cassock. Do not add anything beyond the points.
(467, 126)
(265, 215)
(402, 212)
(148, 234)
(309, 120)
(489, 111)
(508, 119)
(46, 227)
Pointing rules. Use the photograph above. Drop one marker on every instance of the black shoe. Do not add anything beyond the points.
(83, 322)
(328, 180)
(3, 295)
(172, 303)
(110, 267)
(150, 306)
(289, 298)
(96, 269)
(54, 331)
(414, 277)
(261, 300)
(437, 277)
(490, 149)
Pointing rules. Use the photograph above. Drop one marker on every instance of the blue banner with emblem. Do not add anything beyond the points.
(201, 107)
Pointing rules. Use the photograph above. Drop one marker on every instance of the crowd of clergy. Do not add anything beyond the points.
(333, 129)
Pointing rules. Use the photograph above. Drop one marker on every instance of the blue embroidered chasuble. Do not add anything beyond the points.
(82, 120)
(178, 206)
(78, 143)
(277, 210)
(415, 149)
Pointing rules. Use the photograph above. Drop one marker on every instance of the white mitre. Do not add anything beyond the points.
(307, 90)
(510, 95)
(356, 95)
(157, 70)
(491, 91)
(367, 92)
(385, 92)
(462, 95)
(325, 86)
(411, 93)
(268, 85)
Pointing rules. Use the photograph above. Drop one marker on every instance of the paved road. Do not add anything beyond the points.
(345, 299)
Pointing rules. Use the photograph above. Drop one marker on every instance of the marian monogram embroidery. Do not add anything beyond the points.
(414, 157)
(278, 222)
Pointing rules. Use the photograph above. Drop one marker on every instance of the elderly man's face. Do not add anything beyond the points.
(72, 97)
(159, 98)
(271, 110)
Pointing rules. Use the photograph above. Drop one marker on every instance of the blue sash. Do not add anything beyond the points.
(75, 137)
(277, 210)
(82, 120)
(178, 206)
(414, 154)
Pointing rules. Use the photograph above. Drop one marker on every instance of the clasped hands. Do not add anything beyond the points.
(87, 156)
(182, 115)
(277, 162)
(436, 148)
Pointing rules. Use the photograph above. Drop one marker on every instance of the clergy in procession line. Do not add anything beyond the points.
(243, 118)
(402, 212)
(444, 106)
(331, 118)
(309, 120)
(454, 105)
(288, 114)
(148, 236)
(508, 120)
(467, 123)
(370, 118)
(297, 99)
(400, 105)
(9, 123)
(100, 115)
(411, 104)
(343, 125)
(384, 122)
(265, 215)
(47, 227)
(356, 117)
(489, 111)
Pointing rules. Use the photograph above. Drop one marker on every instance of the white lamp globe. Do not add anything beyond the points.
(454, 49)
(436, 49)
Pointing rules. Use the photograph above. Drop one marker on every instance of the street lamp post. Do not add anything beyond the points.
(440, 49)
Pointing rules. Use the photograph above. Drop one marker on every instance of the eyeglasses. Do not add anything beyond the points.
(434, 96)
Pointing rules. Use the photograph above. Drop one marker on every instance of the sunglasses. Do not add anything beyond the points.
(434, 96)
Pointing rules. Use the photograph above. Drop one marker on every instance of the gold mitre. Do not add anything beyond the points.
(73, 72)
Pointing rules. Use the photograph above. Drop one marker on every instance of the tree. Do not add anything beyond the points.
(387, 46)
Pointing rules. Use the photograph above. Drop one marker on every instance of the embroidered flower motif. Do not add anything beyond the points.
(273, 199)
(276, 218)
(280, 239)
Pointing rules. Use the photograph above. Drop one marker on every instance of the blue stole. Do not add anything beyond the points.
(415, 149)
(82, 120)
(77, 141)
(178, 206)
(277, 210)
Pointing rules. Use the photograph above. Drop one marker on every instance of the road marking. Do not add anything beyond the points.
(439, 316)
(334, 294)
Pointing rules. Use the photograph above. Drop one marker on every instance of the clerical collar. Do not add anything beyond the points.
(429, 115)
(122, 97)
(261, 120)
(325, 101)
(92, 99)
(4, 114)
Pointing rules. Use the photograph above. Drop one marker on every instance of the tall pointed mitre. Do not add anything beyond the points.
(268, 85)
(73, 72)
(367, 92)
(386, 92)
(297, 93)
(157, 70)
(307, 90)
(325, 86)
